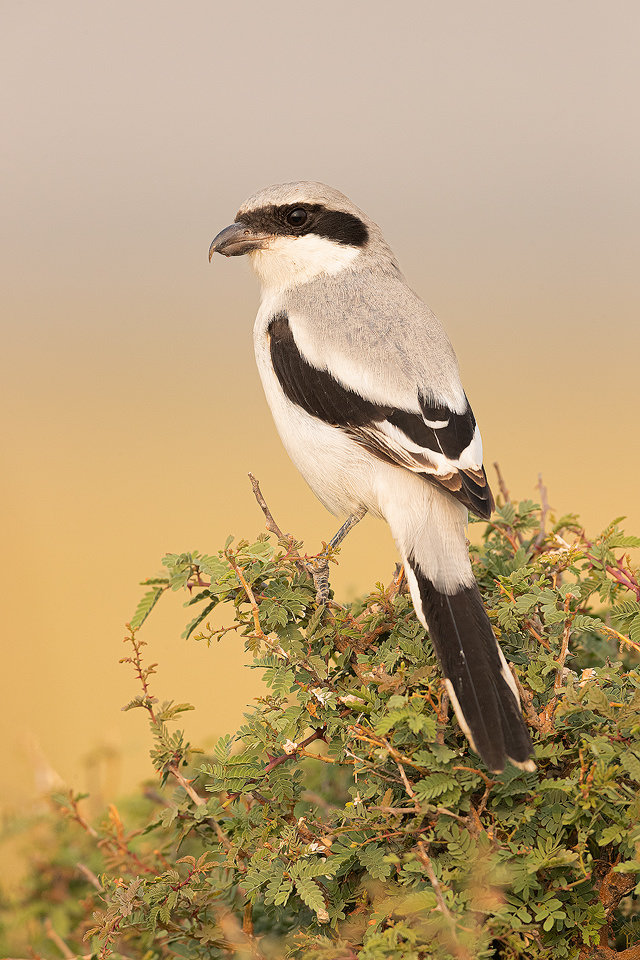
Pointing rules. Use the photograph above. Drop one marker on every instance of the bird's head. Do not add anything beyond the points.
(294, 232)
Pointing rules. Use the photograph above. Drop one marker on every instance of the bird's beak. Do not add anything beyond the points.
(237, 239)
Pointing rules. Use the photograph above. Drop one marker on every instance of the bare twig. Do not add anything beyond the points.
(239, 937)
(620, 573)
(142, 673)
(566, 634)
(425, 860)
(77, 816)
(186, 786)
(310, 797)
(250, 596)
(544, 510)
(314, 756)
(247, 920)
(532, 630)
(273, 527)
(501, 530)
(90, 876)
(410, 791)
(517, 540)
(57, 939)
(429, 808)
(488, 781)
(625, 578)
(396, 585)
(503, 487)
(361, 733)
(199, 802)
(620, 637)
(397, 811)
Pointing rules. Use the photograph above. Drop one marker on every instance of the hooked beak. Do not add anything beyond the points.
(237, 239)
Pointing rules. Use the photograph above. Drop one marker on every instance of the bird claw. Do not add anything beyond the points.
(319, 568)
(320, 572)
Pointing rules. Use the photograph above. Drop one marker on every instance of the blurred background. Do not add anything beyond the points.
(497, 145)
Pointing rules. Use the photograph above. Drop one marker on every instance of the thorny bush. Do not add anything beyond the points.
(347, 818)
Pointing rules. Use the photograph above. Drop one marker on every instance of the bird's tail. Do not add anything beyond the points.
(431, 537)
(478, 680)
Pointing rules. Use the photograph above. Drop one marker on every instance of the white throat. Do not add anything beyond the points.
(290, 261)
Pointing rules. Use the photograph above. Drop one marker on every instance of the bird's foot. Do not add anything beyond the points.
(320, 572)
(319, 568)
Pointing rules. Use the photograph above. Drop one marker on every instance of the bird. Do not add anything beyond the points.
(365, 391)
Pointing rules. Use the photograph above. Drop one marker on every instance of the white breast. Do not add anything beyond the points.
(339, 472)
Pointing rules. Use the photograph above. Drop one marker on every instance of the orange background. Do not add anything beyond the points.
(497, 144)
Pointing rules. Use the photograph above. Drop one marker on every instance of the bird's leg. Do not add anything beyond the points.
(348, 525)
(321, 566)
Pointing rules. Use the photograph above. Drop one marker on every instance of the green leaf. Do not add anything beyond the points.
(596, 699)
(434, 785)
(611, 834)
(372, 859)
(145, 607)
(311, 894)
(198, 620)
(631, 764)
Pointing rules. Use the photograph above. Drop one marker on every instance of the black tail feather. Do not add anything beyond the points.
(472, 663)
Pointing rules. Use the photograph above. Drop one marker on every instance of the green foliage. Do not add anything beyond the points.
(347, 817)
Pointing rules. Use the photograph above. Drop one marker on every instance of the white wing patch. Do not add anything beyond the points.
(422, 459)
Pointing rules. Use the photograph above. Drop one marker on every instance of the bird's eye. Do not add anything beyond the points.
(297, 217)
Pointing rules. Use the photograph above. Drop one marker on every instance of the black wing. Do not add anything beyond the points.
(416, 441)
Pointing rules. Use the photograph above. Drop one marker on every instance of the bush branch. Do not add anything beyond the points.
(273, 527)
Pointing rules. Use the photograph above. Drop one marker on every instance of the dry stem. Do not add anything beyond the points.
(566, 634)
(503, 487)
(273, 527)
(90, 876)
(255, 610)
(57, 939)
(544, 505)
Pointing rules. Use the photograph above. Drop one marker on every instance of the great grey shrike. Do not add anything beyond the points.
(365, 392)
